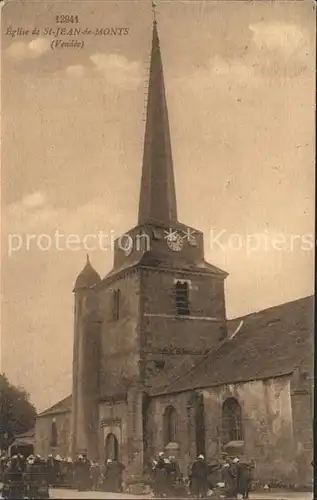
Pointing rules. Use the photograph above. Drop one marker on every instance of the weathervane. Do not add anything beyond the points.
(154, 11)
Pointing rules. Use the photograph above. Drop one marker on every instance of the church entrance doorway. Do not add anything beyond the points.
(111, 447)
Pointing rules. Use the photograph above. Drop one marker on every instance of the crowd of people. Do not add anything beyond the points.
(32, 477)
(226, 477)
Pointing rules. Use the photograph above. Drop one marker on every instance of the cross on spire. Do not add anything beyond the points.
(154, 11)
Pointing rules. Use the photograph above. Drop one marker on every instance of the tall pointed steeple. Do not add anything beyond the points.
(157, 196)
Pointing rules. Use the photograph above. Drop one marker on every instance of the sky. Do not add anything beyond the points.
(239, 79)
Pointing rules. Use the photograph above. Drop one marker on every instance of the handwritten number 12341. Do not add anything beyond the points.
(65, 18)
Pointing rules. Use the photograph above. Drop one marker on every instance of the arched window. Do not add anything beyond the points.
(111, 446)
(182, 298)
(53, 441)
(170, 425)
(231, 421)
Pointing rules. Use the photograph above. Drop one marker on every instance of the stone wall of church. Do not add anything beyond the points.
(120, 337)
(302, 406)
(43, 433)
(267, 422)
(185, 428)
(267, 425)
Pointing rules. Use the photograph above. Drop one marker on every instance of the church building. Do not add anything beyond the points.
(156, 364)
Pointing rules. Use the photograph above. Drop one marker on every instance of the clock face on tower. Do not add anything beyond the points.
(174, 242)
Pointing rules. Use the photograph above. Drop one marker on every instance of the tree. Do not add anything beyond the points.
(17, 414)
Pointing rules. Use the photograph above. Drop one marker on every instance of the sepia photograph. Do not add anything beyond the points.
(157, 249)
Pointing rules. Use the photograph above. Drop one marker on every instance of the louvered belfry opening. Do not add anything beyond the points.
(182, 298)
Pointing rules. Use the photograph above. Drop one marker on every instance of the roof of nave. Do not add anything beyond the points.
(63, 406)
(269, 343)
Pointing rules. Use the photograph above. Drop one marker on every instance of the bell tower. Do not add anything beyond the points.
(158, 311)
(163, 305)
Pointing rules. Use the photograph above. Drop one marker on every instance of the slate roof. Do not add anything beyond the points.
(175, 367)
(148, 260)
(88, 277)
(269, 343)
(63, 406)
(24, 438)
(163, 263)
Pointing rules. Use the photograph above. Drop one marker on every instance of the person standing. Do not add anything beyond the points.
(118, 471)
(160, 476)
(51, 471)
(78, 470)
(235, 470)
(229, 479)
(199, 476)
(109, 479)
(36, 477)
(152, 477)
(95, 475)
(14, 486)
(57, 465)
(69, 473)
(86, 472)
(244, 479)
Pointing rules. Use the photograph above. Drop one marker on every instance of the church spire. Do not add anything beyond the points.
(157, 197)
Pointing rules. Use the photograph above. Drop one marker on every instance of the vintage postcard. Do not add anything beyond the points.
(157, 249)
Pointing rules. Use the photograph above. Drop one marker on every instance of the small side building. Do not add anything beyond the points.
(53, 429)
(23, 444)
